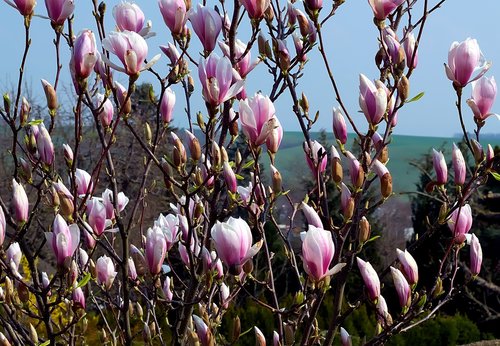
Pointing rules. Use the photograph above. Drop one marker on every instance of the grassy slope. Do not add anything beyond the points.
(290, 159)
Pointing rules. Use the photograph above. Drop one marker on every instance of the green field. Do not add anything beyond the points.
(291, 163)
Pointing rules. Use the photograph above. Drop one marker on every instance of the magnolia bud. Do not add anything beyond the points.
(147, 133)
(168, 173)
(233, 123)
(260, 339)
(224, 155)
(477, 149)
(25, 112)
(33, 335)
(404, 88)
(304, 103)
(364, 229)
(216, 155)
(276, 178)
(337, 172)
(50, 95)
(236, 329)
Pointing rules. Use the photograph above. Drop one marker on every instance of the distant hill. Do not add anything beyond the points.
(291, 163)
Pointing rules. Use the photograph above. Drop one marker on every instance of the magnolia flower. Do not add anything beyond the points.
(409, 266)
(370, 278)
(128, 16)
(131, 49)
(258, 118)
(339, 126)
(106, 273)
(311, 215)
(217, 79)
(45, 146)
(476, 255)
(83, 182)
(440, 167)
(167, 105)
(63, 239)
(316, 157)
(484, 92)
(59, 10)
(105, 109)
(3, 225)
(233, 242)
(382, 8)
(20, 203)
(245, 64)
(372, 100)
(463, 59)
(170, 227)
(84, 55)
(207, 24)
(460, 222)
(174, 14)
(96, 213)
(458, 165)
(402, 287)
(255, 8)
(317, 252)
(25, 7)
(156, 249)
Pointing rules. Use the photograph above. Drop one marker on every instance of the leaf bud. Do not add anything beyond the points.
(403, 88)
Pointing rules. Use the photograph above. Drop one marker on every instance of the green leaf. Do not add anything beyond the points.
(84, 281)
(45, 343)
(495, 175)
(248, 164)
(35, 122)
(416, 98)
(239, 177)
(372, 239)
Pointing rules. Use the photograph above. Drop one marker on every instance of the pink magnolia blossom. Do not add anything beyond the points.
(258, 119)
(167, 289)
(402, 288)
(233, 242)
(460, 222)
(170, 227)
(317, 253)
(440, 167)
(171, 52)
(207, 24)
(218, 81)
(245, 64)
(255, 8)
(78, 297)
(156, 249)
(20, 203)
(105, 109)
(83, 182)
(463, 59)
(167, 105)
(96, 213)
(345, 338)
(311, 215)
(484, 92)
(59, 10)
(372, 100)
(128, 16)
(25, 7)
(106, 273)
(476, 255)
(339, 126)
(84, 55)
(409, 266)
(45, 146)
(204, 334)
(13, 258)
(382, 8)
(458, 165)
(316, 157)
(260, 339)
(370, 278)
(174, 14)
(409, 45)
(229, 177)
(64, 239)
(107, 199)
(131, 48)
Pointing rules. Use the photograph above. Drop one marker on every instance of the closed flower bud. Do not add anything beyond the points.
(476, 255)
(229, 177)
(337, 171)
(50, 95)
(364, 229)
(404, 88)
(68, 154)
(106, 273)
(460, 222)
(167, 105)
(490, 154)
(260, 339)
(346, 202)
(339, 126)
(370, 278)
(402, 288)
(355, 171)
(311, 215)
(458, 165)
(156, 249)
(20, 203)
(276, 179)
(124, 102)
(25, 112)
(409, 266)
(477, 150)
(345, 338)
(216, 155)
(385, 178)
(194, 146)
(440, 167)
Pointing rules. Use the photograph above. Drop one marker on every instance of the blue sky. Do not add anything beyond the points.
(351, 45)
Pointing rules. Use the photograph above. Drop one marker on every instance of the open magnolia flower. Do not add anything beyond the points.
(131, 48)
(233, 242)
